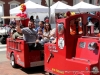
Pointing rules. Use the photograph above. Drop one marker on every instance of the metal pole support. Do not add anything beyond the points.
(49, 11)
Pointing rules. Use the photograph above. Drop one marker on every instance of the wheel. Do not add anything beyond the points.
(12, 61)
(51, 74)
(3, 40)
(0, 36)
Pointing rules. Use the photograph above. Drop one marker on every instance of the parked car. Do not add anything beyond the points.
(4, 30)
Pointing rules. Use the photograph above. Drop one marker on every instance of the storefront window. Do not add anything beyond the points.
(13, 6)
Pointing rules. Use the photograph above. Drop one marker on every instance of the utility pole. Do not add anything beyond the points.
(81, 0)
(49, 11)
(98, 2)
(49, 3)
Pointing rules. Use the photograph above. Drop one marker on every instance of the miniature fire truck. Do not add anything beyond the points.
(19, 54)
(74, 54)
(18, 50)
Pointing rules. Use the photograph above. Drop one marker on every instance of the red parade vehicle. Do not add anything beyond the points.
(76, 51)
(19, 54)
(18, 50)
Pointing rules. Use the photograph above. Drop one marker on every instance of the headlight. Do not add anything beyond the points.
(95, 70)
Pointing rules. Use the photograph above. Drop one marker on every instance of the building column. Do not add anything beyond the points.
(2, 4)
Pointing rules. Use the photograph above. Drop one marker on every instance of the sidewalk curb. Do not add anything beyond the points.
(4, 49)
(3, 46)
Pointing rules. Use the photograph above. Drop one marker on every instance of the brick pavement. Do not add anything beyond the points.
(6, 69)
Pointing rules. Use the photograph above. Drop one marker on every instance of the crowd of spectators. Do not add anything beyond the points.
(36, 34)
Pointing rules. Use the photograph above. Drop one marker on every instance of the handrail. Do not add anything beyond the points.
(13, 48)
(90, 37)
(14, 41)
(11, 40)
(81, 59)
(30, 42)
(17, 42)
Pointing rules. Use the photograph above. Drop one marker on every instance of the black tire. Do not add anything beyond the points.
(12, 61)
(51, 74)
(0, 36)
(3, 40)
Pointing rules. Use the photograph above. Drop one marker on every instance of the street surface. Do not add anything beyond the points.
(6, 68)
(2, 47)
(3, 53)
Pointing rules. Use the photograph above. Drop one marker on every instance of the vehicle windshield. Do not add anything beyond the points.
(76, 26)
(60, 28)
(93, 25)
